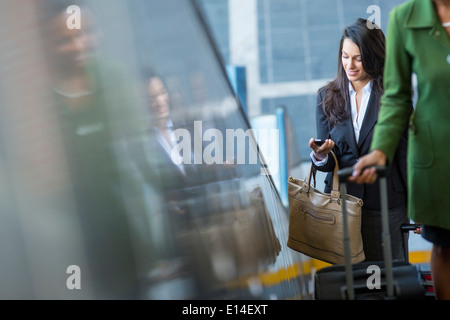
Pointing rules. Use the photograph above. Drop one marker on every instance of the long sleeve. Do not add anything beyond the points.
(396, 102)
(323, 132)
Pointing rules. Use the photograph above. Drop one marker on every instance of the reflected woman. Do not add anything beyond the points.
(346, 112)
(171, 172)
(88, 92)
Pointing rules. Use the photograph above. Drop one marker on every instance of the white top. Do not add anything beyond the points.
(176, 158)
(357, 117)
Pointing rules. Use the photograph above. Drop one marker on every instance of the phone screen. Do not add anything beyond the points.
(319, 142)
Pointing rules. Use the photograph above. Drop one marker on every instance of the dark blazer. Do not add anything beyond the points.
(348, 151)
(156, 167)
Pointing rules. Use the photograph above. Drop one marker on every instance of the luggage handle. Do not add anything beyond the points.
(410, 227)
(345, 173)
(343, 176)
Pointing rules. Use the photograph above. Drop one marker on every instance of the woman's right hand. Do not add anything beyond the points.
(374, 158)
(320, 152)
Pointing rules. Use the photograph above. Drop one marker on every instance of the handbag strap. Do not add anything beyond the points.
(311, 173)
(335, 184)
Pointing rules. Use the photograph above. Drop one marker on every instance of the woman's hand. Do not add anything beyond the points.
(369, 175)
(320, 152)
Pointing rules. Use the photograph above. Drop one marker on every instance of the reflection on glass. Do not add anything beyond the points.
(142, 170)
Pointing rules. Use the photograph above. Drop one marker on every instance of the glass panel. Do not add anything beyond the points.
(128, 168)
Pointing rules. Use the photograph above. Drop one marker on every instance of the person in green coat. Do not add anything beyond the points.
(418, 41)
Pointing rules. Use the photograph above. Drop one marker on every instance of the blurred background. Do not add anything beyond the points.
(148, 144)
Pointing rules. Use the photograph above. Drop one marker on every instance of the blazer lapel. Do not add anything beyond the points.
(370, 118)
(349, 135)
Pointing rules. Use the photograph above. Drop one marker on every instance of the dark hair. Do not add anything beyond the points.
(371, 43)
(148, 72)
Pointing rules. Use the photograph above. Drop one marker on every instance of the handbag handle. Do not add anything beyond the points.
(335, 184)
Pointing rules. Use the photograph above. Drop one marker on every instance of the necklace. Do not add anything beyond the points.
(446, 24)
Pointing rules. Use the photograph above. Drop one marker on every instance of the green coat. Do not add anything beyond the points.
(417, 43)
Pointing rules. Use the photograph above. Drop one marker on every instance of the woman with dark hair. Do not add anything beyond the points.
(347, 110)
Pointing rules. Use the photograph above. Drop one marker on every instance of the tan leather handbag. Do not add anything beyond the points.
(227, 245)
(316, 222)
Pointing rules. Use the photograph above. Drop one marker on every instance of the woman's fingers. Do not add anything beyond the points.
(312, 145)
(329, 144)
(368, 175)
(320, 152)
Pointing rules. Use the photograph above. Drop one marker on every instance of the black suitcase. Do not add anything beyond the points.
(424, 270)
(396, 280)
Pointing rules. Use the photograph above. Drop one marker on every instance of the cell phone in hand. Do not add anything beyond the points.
(319, 142)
